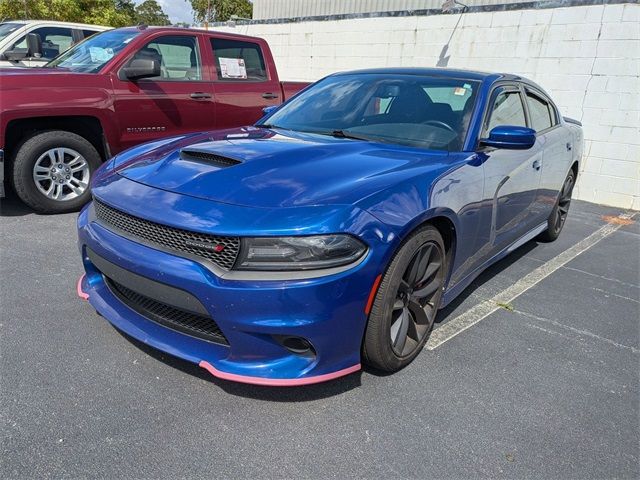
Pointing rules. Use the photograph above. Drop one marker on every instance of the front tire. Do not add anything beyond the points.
(51, 171)
(560, 211)
(407, 301)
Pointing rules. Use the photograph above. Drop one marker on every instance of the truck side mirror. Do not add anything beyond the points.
(34, 45)
(141, 68)
(15, 55)
(34, 49)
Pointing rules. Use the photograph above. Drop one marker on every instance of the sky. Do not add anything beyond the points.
(178, 10)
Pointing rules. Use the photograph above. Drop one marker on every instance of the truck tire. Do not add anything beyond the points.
(51, 171)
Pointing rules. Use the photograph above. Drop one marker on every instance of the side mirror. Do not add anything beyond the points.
(269, 109)
(34, 45)
(15, 55)
(510, 137)
(33, 50)
(141, 68)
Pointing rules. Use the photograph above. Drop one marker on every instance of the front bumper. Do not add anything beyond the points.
(328, 312)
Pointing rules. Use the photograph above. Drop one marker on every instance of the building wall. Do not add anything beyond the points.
(269, 9)
(586, 57)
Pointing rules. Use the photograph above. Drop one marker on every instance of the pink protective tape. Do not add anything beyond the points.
(81, 294)
(277, 382)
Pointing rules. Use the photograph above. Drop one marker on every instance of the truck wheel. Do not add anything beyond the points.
(51, 171)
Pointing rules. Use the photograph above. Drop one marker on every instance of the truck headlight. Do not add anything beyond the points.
(299, 253)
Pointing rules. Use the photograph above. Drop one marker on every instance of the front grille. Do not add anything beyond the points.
(176, 239)
(209, 158)
(175, 318)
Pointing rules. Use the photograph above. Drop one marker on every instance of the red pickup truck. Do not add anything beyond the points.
(121, 88)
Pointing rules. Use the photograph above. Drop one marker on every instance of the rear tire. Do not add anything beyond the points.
(560, 211)
(406, 302)
(51, 171)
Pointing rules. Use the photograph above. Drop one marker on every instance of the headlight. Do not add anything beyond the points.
(299, 253)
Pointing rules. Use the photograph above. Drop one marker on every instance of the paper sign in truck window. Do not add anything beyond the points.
(232, 67)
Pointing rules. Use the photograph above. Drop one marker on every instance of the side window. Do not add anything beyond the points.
(507, 109)
(55, 40)
(542, 113)
(178, 57)
(238, 61)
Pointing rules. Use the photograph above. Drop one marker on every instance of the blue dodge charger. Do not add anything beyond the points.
(329, 233)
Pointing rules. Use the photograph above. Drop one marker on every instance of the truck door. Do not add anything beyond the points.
(245, 81)
(178, 101)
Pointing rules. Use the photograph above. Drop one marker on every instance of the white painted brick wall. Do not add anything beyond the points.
(588, 58)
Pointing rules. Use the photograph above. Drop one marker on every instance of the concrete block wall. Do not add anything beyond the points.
(586, 57)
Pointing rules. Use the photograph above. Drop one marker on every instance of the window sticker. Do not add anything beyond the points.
(460, 91)
(232, 68)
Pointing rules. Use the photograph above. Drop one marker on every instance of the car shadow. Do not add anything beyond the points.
(486, 276)
(12, 206)
(257, 392)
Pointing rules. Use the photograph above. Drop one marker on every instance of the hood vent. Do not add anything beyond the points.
(208, 158)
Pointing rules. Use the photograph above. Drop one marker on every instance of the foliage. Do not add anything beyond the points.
(221, 10)
(150, 12)
(114, 13)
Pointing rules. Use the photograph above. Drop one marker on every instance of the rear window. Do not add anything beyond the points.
(541, 113)
(238, 61)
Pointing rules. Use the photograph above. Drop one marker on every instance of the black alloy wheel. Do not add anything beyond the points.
(558, 216)
(414, 309)
(406, 302)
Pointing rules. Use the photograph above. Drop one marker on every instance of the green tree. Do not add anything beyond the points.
(150, 12)
(221, 10)
(114, 13)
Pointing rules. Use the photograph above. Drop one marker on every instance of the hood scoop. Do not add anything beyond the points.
(204, 156)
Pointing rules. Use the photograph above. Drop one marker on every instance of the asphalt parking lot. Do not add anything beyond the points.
(545, 385)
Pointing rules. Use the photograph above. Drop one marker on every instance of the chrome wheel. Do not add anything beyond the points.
(417, 299)
(564, 202)
(61, 174)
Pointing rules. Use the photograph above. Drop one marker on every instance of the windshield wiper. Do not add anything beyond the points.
(346, 134)
(270, 125)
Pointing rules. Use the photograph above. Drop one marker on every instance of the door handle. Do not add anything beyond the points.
(269, 95)
(569, 146)
(199, 95)
(536, 164)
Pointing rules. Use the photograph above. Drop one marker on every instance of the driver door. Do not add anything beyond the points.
(512, 177)
(178, 101)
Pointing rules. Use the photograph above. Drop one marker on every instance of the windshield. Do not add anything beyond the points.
(7, 29)
(412, 110)
(92, 54)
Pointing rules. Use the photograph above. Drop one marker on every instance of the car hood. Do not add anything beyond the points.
(275, 168)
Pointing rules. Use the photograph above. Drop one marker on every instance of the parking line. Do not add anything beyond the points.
(481, 311)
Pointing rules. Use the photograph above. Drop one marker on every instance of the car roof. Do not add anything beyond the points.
(150, 29)
(439, 72)
(56, 22)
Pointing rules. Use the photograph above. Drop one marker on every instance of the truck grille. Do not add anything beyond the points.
(222, 251)
(175, 318)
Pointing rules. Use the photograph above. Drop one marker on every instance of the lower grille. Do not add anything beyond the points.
(175, 318)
